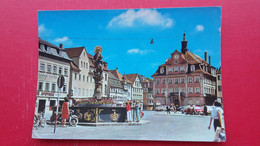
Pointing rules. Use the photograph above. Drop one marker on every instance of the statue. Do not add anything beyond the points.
(98, 61)
(98, 70)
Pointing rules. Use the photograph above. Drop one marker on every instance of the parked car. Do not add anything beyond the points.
(182, 108)
(199, 110)
(160, 108)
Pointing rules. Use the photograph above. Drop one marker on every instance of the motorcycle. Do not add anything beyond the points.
(73, 118)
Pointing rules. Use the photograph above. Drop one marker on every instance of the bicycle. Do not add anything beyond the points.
(39, 120)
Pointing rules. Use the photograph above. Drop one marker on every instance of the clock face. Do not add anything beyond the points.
(162, 70)
(176, 56)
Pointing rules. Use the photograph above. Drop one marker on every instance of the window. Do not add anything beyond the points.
(163, 81)
(90, 79)
(182, 80)
(84, 65)
(176, 69)
(219, 88)
(53, 87)
(105, 89)
(83, 78)
(83, 92)
(54, 70)
(87, 92)
(87, 79)
(191, 90)
(40, 86)
(49, 68)
(105, 77)
(81, 64)
(79, 76)
(197, 79)
(87, 65)
(197, 90)
(163, 91)
(190, 80)
(60, 70)
(47, 86)
(158, 91)
(79, 90)
(170, 69)
(42, 66)
(158, 81)
(219, 77)
(65, 88)
(192, 67)
(65, 71)
(170, 90)
(182, 90)
(170, 81)
(75, 91)
(176, 90)
(176, 81)
(182, 69)
(75, 75)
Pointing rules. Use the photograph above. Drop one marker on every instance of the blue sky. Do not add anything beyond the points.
(125, 34)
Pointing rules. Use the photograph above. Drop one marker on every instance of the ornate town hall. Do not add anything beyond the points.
(187, 75)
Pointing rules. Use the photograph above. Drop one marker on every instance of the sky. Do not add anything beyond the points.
(125, 34)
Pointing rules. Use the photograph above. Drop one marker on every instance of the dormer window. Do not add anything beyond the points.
(192, 67)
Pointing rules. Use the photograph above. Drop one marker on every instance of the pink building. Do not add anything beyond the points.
(187, 75)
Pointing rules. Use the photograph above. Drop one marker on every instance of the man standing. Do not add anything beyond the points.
(137, 111)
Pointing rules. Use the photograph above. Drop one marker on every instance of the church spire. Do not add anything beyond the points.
(184, 44)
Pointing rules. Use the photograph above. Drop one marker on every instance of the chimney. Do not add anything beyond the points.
(209, 60)
(61, 46)
(184, 44)
(206, 56)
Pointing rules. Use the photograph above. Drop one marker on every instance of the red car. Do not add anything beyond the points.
(197, 110)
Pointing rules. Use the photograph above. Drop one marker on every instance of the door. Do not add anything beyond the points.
(41, 107)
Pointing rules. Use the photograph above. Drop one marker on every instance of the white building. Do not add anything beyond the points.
(53, 61)
(82, 82)
(127, 85)
(137, 90)
(116, 90)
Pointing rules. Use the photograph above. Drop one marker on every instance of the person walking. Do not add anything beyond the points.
(65, 111)
(128, 112)
(216, 115)
(205, 110)
(137, 111)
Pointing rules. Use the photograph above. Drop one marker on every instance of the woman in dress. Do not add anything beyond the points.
(65, 111)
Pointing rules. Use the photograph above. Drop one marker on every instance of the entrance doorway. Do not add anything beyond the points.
(41, 107)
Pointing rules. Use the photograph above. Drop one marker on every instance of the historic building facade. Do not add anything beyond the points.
(126, 84)
(137, 90)
(82, 83)
(53, 61)
(219, 86)
(148, 100)
(185, 76)
(115, 90)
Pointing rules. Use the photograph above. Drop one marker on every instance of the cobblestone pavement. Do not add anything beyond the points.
(160, 126)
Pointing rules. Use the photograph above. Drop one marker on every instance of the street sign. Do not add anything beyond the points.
(60, 81)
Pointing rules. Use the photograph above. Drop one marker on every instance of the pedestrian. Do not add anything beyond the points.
(128, 112)
(168, 110)
(65, 111)
(205, 110)
(137, 111)
(216, 115)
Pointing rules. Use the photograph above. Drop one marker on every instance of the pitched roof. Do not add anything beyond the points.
(120, 76)
(74, 66)
(48, 44)
(113, 81)
(74, 52)
(193, 58)
(132, 77)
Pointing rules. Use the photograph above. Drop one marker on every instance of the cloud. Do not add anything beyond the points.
(138, 51)
(144, 17)
(41, 28)
(199, 27)
(61, 40)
